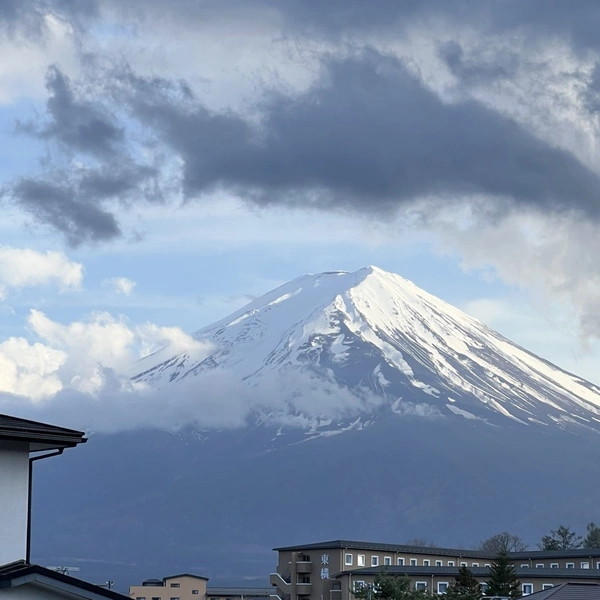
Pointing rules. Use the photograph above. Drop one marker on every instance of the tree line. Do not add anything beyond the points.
(502, 581)
(561, 538)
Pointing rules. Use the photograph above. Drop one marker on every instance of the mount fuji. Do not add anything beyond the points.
(379, 342)
(359, 407)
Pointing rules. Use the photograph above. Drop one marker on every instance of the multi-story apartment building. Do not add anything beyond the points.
(332, 570)
(192, 587)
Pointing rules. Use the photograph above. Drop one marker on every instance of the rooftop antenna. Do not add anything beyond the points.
(64, 570)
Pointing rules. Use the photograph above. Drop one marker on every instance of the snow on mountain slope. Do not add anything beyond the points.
(378, 337)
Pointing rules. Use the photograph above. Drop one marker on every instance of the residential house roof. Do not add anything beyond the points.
(569, 591)
(185, 575)
(39, 436)
(17, 574)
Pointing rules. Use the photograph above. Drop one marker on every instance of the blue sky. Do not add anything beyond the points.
(189, 156)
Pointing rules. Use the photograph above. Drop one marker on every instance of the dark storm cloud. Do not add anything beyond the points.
(73, 199)
(367, 136)
(58, 206)
(77, 125)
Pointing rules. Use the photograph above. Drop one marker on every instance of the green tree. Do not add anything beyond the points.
(592, 539)
(503, 542)
(561, 539)
(388, 587)
(503, 579)
(464, 587)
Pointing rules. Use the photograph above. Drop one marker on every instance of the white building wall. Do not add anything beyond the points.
(14, 482)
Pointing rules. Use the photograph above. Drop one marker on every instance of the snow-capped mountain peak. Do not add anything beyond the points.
(376, 336)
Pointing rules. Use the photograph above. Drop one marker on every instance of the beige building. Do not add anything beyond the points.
(192, 587)
(332, 570)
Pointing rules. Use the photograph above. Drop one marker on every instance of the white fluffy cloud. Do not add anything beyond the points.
(121, 285)
(77, 356)
(21, 268)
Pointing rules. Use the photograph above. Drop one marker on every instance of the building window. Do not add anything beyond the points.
(413, 562)
(547, 586)
(387, 561)
(361, 560)
(450, 563)
(348, 559)
(554, 565)
(527, 588)
(463, 564)
(484, 587)
(140, 598)
(426, 563)
(421, 585)
(156, 598)
(195, 592)
(438, 563)
(400, 561)
(598, 565)
(359, 585)
(570, 565)
(585, 565)
(474, 564)
(175, 585)
(487, 565)
(374, 561)
(524, 566)
(442, 587)
(539, 565)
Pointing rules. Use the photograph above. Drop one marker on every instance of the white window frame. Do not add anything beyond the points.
(484, 586)
(442, 583)
(358, 584)
(547, 586)
(585, 562)
(487, 565)
(554, 565)
(439, 563)
(420, 583)
(387, 561)
(524, 566)
(523, 588)
(569, 565)
(598, 565)
(374, 560)
(540, 565)
(426, 562)
(348, 559)
(474, 564)
(451, 563)
(361, 561)
(463, 564)
(413, 562)
(400, 561)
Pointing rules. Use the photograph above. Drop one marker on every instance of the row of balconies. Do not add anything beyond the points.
(302, 589)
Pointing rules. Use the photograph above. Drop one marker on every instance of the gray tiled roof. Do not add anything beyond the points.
(522, 573)
(569, 591)
(406, 549)
(352, 545)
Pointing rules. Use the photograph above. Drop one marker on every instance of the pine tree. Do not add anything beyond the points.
(388, 587)
(561, 539)
(465, 587)
(503, 578)
(592, 539)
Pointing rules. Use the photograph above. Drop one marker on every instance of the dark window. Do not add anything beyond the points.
(175, 585)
